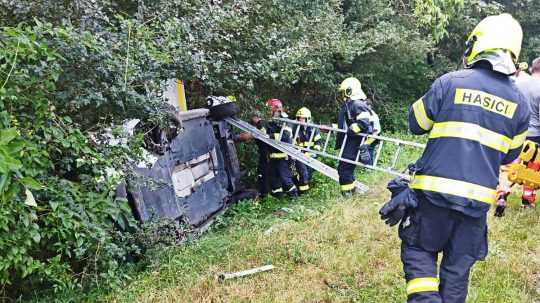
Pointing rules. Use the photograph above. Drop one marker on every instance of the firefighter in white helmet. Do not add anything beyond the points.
(356, 117)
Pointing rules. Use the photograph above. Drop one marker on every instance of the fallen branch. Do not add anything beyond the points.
(12, 65)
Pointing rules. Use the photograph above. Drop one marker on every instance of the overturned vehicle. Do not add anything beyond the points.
(195, 176)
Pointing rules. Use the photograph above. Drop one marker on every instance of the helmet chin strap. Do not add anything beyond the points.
(469, 45)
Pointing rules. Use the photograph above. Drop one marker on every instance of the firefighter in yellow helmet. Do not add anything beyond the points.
(307, 138)
(476, 120)
(356, 117)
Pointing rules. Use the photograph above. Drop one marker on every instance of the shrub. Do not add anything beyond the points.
(59, 219)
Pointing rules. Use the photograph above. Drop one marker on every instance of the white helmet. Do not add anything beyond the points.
(351, 88)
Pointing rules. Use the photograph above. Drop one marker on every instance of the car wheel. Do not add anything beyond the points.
(223, 111)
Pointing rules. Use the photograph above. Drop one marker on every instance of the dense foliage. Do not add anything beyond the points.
(68, 68)
(57, 204)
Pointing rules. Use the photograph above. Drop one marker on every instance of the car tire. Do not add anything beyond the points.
(223, 111)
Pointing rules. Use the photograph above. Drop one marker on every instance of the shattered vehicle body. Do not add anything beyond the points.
(196, 177)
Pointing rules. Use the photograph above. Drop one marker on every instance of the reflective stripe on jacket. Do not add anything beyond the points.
(476, 120)
(304, 134)
(273, 130)
(356, 117)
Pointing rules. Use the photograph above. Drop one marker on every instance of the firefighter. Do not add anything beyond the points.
(306, 137)
(477, 120)
(281, 177)
(355, 116)
(530, 87)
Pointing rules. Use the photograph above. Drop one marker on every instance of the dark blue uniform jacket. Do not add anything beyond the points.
(355, 116)
(476, 120)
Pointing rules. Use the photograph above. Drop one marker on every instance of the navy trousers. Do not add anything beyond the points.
(281, 177)
(346, 170)
(304, 175)
(429, 230)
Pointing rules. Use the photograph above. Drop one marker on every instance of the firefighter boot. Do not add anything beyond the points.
(501, 204)
(355, 188)
(528, 198)
(303, 188)
(292, 192)
(277, 193)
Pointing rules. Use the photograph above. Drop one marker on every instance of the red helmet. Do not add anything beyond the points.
(274, 104)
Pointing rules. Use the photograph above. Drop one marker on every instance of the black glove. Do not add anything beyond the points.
(393, 216)
(256, 121)
(397, 185)
(403, 199)
(365, 156)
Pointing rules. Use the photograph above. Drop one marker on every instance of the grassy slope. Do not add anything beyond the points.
(326, 249)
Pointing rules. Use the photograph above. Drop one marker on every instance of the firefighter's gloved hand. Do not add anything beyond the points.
(256, 121)
(359, 127)
(394, 216)
(397, 185)
(243, 137)
(365, 156)
(403, 199)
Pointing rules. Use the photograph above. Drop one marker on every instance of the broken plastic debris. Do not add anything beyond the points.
(243, 273)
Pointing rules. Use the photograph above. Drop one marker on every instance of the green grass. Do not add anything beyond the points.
(325, 249)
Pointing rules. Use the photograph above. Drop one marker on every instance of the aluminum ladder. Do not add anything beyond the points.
(291, 150)
(398, 146)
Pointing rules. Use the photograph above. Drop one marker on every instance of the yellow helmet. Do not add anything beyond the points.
(304, 112)
(231, 98)
(351, 88)
(495, 32)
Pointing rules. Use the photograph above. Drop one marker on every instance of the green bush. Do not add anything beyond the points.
(59, 219)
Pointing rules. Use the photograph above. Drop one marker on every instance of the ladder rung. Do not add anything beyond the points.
(296, 134)
(343, 145)
(311, 137)
(396, 156)
(327, 140)
(282, 130)
(377, 156)
(358, 153)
